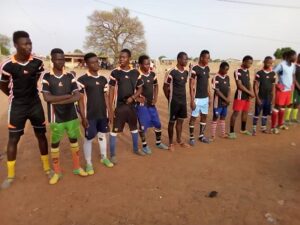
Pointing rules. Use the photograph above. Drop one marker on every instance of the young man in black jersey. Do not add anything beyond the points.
(146, 109)
(124, 88)
(19, 77)
(264, 90)
(199, 96)
(175, 92)
(93, 110)
(60, 91)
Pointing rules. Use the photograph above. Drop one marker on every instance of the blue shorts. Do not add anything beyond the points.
(95, 126)
(265, 108)
(220, 111)
(148, 117)
(201, 107)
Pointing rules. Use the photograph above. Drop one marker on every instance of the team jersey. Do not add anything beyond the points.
(149, 80)
(125, 83)
(177, 80)
(201, 75)
(266, 80)
(94, 89)
(244, 77)
(221, 83)
(285, 75)
(22, 78)
(60, 85)
(297, 75)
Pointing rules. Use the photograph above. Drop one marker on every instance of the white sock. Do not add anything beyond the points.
(87, 149)
(102, 140)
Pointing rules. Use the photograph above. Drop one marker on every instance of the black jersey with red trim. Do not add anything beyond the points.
(297, 76)
(177, 80)
(125, 83)
(60, 85)
(22, 78)
(221, 83)
(94, 89)
(266, 80)
(244, 77)
(201, 75)
(149, 80)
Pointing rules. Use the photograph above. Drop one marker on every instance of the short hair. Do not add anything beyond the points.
(19, 34)
(142, 58)
(268, 58)
(56, 51)
(290, 53)
(181, 54)
(204, 52)
(125, 50)
(89, 55)
(224, 64)
(247, 57)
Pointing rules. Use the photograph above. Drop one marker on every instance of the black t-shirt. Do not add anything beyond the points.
(23, 79)
(221, 83)
(125, 83)
(297, 74)
(149, 80)
(266, 81)
(177, 80)
(244, 77)
(60, 85)
(94, 89)
(201, 75)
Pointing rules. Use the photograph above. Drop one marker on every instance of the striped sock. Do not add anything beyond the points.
(202, 129)
(222, 127)
(55, 160)
(274, 118)
(192, 127)
(281, 116)
(213, 128)
(158, 136)
(143, 138)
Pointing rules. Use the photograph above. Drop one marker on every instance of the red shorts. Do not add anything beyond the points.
(241, 105)
(283, 98)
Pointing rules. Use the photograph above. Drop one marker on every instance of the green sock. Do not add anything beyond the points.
(287, 114)
(294, 114)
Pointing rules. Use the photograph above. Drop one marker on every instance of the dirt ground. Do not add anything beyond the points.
(252, 175)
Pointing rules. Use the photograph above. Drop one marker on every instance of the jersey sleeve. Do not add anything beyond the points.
(193, 73)
(80, 84)
(46, 83)
(140, 81)
(168, 77)
(112, 79)
(215, 83)
(40, 69)
(257, 77)
(5, 75)
(105, 89)
(237, 75)
(155, 79)
(74, 86)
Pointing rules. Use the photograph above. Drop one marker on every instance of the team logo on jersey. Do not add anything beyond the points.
(97, 83)
(148, 81)
(126, 77)
(267, 77)
(225, 82)
(182, 78)
(60, 84)
(25, 72)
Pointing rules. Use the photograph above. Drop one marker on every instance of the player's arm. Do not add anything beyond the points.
(243, 88)
(74, 98)
(82, 114)
(167, 83)
(4, 81)
(48, 97)
(4, 87)
(111, 97)
(155, 93)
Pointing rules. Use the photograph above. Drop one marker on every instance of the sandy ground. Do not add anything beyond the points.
(252, 175)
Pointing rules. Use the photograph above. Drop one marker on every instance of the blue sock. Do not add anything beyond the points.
(135, 140)
(264, 121)
(112, 144)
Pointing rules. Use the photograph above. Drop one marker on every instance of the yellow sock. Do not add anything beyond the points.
(45, 161)
(287, 114)
(11, 169)
(75, 155)
(295, 114)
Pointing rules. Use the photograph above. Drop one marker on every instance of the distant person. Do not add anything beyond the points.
(221, 100)
(284, 87)
(94, 111)
(264, 90)
(146, 110)
(60, 91)
(19, 77)
(200, 96)
(242, 97)
(175, 92)
(296, 95)
(124, 88)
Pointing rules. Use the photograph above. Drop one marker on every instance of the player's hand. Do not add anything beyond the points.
(129, 100)
(258, 101)
(85, 123)
(193, 105)
(228, 101)
(140, 99)
(252, 95)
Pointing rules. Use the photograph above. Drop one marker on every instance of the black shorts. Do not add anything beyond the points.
(95, 126)
(18, 114)
(124, 114)
(177, 111)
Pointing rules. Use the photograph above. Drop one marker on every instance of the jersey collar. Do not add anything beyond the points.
(14, 60)
(91, 75)
(52, 73)
(181, 71)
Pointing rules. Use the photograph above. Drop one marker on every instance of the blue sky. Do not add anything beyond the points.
(62, 23)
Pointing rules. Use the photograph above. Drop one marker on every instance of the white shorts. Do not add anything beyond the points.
(201, 107)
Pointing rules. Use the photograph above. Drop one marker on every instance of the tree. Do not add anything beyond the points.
(78, 51)
(4, 45)
(279, 52)
(161, 57)
(110, 32)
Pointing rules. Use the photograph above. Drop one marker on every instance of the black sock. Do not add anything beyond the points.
(202, 129)
(143, 138)
(191, 132)
(158, 136)
(231, 129)
(243, 126)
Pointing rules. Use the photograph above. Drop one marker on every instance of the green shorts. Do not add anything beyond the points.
(296, 97)
(58, 129)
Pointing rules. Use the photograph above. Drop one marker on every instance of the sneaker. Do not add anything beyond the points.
(232, 135)
(274, 131)
(246, 132)
(283, 127)
(89, 169)
(147, 150)
(212, 139)
(106, 162)
(55, 178)
(49, 173)
(192, 142)
(204, 140)
(80, 172)
(162, 146)
(114, 160)
(7, 183)
(253, 132)
(139, 152)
